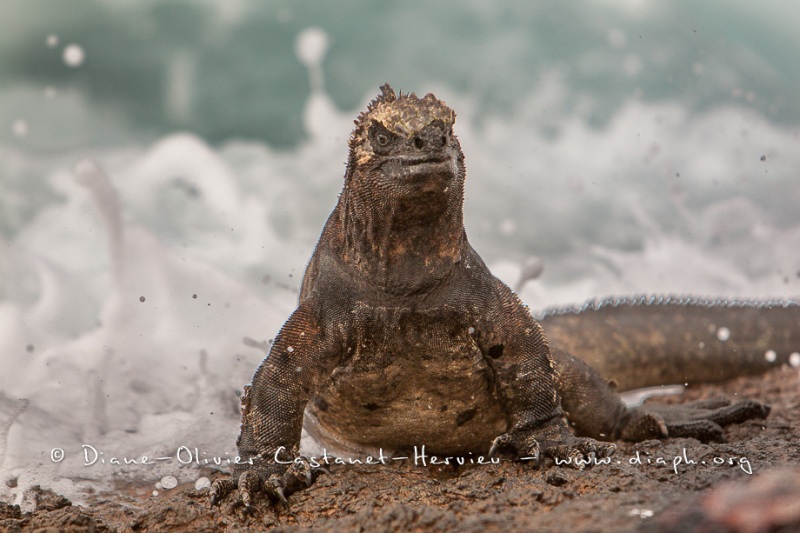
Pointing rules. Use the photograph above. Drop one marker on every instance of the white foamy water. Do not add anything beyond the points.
(132, 276)
(74, 55)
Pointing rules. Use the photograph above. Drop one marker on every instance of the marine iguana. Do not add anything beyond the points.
(402, 337)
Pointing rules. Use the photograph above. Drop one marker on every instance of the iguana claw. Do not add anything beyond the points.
(499, 442)
(276, 488)
(525, 452)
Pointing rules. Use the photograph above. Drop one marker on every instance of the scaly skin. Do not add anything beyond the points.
(653, 340)
(403, 337)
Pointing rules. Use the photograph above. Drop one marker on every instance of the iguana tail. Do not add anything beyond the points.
(655, 340)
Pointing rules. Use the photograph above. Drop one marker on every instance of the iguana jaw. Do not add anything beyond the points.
(414, 176)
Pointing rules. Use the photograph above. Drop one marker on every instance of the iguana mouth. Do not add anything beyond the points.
(427, 175)
(420, 167)
(436, 163)
(420, 160)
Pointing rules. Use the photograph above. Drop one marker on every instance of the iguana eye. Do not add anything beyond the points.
(382, 139)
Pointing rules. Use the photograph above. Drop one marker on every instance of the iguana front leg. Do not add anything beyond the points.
(525, 381)
(303, 356)
(596, 410)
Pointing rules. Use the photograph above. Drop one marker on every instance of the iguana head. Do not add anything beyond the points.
(405, 123)
(407, 141)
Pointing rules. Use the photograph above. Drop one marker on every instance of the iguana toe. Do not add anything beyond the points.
(219, 489)
(740, 412)
(702, 430)
(500, 443)
(275, 488)
(249, 484)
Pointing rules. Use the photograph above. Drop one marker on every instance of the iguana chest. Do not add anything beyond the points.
(411, 377)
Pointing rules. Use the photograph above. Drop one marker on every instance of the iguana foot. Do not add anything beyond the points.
(701, 419)
(276, 486)
(571, 451)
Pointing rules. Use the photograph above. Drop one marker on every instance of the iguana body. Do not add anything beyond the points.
(403, 337)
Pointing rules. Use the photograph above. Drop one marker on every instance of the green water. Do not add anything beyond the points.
(229, 69)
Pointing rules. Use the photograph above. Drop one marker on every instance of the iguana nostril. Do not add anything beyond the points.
(419, 143)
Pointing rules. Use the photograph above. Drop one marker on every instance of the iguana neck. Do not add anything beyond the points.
(401, 245)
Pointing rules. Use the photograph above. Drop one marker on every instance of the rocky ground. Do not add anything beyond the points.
(651, 494)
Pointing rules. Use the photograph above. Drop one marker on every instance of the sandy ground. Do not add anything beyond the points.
(651, 494)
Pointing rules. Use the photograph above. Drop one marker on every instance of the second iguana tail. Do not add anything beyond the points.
(655, 340)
